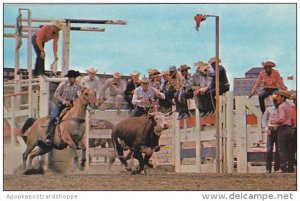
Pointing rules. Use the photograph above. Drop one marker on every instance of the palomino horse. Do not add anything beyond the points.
(69, 131)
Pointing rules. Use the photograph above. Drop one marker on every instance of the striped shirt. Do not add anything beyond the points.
(67, 91)
(139, 94)
(186, 84)
(285, 113)
(201, 81)
(45, 34)
(92, 84)
(269, 81)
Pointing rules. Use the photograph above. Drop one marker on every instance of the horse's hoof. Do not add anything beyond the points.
(150, 165)
(143, 172)
(128, 169)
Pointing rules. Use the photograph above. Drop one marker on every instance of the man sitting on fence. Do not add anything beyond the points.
(65, 94)
(201, 86)
(92, 81)
(116, 89)
(143, 96)
(223, 80)
(132, 84)
(271, 79)
(185, 92)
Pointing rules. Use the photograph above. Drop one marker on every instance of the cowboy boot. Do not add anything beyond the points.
(50, 134)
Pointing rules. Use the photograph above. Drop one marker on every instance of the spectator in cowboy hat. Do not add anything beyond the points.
(154, 76)
(201, 86)
(132, 84)
(92, 81)
(185, 92)
(43, 35)
(223, 80)
(143, 96)
(271, 80)
(116, 88)
(65, 94)
(284, 123)
(272, 139)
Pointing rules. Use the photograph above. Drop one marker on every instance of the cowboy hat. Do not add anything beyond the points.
(144, 80)
(92, 70)
(165, 72)
(268, 64)
(72, 73)
(202, 66)
(58, 24)
(184, 67)
(213, 60)
(135, 73)
(116, 75)
(283, 94)
(172, 68)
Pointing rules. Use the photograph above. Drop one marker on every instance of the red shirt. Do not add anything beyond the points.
(285, 113)
(294, 116)
(269, 81)
(45, 34)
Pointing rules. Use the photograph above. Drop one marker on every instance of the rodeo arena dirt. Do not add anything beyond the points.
(210, 153)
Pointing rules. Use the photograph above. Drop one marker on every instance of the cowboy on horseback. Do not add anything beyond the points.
(65, 94)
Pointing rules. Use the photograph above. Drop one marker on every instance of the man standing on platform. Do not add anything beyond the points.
(43, 35)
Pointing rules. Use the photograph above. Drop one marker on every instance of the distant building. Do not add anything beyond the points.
(243, 86)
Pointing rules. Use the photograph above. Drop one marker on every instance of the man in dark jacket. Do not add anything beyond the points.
(223, 80)
(131, 86)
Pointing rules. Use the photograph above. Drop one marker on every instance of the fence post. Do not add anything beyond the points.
(229, 130)
(87, 136)
(197, 138)
(13, 125)
(241, 135)
(177, 146)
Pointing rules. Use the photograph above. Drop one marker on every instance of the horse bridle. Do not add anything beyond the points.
(85, 98)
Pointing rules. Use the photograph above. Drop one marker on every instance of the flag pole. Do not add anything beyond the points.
(217, 98)
(218, 154)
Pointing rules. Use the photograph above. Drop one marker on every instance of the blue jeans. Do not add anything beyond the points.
(39, 67)
(265, 93)
(271, 140)
(284, 145)
(56, 111)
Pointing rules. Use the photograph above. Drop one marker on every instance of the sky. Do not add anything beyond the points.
(160, 35)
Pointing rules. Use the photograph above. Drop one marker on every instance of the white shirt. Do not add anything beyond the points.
(139, 94)
(269, 115)
(91, 84)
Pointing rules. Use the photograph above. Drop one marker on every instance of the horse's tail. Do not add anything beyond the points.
(28, 123)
